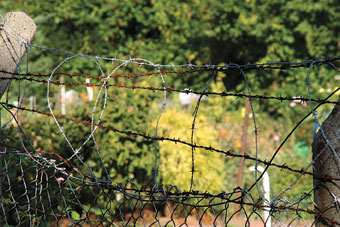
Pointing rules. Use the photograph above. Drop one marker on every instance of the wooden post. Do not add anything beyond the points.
(16, 31)
(327, 167)
(244, 147)
(244, 143)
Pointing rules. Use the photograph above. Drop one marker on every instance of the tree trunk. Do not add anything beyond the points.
(327, 167)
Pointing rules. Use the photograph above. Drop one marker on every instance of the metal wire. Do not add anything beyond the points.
(47, 187)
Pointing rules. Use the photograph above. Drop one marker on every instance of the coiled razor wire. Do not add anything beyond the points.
(37, 190)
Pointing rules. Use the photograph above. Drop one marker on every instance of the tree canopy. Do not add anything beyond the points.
(177, 32)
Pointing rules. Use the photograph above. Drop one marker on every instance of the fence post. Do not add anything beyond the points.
(16, 31)
(243, 149)
(326, 168)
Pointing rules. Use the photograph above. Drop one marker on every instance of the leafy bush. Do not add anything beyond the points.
(175, 158)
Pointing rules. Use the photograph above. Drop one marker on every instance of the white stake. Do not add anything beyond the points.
(266, 191)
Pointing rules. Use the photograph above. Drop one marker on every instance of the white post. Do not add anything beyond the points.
(62, 96)
(89, 90)
(266, 191)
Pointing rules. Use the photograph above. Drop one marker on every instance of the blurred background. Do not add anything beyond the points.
(198, 32)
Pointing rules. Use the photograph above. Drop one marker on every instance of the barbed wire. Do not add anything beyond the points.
(133, 135)
(230, 66)
(62, 188)
(186, 91)
(194, 146)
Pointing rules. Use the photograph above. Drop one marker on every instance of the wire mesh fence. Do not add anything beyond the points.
(56, 171)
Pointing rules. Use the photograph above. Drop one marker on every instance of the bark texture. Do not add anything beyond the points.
(15, 32)
(327, 167)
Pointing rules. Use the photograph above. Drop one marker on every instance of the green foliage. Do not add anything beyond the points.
(200, 32)
(126, 157)
(175, 158)
(179, 32)
(186, 31)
